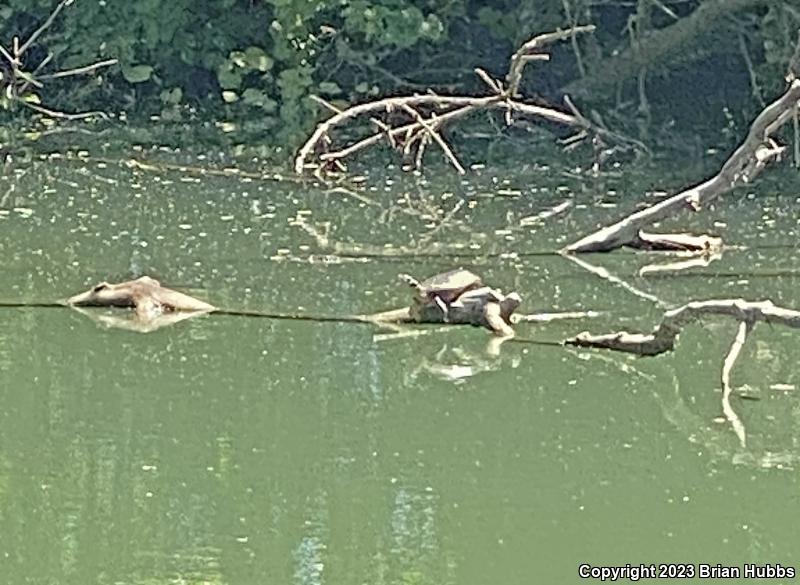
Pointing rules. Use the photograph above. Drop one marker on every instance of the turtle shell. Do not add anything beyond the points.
(448, 286)
(481, 295)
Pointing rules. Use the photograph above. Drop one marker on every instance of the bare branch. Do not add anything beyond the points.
(493, 83)
(79, 70)
(435, 110)
(13, 62)
(63, 115)
(437, 138)
(524, 53)
(742, 167)
(47, 24)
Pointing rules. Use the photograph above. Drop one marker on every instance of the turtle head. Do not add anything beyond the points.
(410, 281)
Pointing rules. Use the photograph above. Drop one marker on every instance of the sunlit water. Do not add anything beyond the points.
(239, 450)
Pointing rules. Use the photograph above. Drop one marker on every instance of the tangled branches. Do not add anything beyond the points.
(21, 86)
(411, 123)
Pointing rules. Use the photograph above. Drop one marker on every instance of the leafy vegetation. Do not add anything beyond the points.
(250, 65)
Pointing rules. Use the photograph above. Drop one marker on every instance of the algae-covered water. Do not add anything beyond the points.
(238, 450)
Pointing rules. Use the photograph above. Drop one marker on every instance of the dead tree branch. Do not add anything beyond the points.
(664, 336)
(423, 116)
(746, 162)
(530, 52)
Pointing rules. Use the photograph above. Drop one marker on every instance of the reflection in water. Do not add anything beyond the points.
(309, 556)
(413, 527)
(238, 451)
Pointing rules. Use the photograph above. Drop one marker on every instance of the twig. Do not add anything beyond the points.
(325, 103)
(444, 221)
(664, 8)
(750, 70)
(493, 83)
(47, 24)
(523, 54)
(13, 62)
(437, 138)
(576, 50)
(548, 317)
(79, 70)
(63, 115)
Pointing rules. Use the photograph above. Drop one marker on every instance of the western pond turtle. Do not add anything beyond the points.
(442, 289)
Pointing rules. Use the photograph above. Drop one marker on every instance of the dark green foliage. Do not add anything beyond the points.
(250, 65)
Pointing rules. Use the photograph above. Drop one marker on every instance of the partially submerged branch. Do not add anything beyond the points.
(742, 167)
(664, 336)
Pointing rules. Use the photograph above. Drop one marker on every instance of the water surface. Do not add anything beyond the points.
(238, 450)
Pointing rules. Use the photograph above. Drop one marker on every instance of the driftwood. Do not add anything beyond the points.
(742, 167)
(411, 123)
(664, 336)
(145, 295)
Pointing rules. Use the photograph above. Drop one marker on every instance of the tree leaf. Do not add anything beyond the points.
(257, 59)
(329, 88)
(137, 73)
(228, 78)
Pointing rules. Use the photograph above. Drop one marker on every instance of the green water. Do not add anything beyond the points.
(238, 450)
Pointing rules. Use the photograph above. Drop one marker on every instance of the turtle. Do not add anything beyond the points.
(442, 289)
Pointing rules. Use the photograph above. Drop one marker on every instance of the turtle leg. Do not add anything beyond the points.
(493, 319)
(508, 305)
(443, 306)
